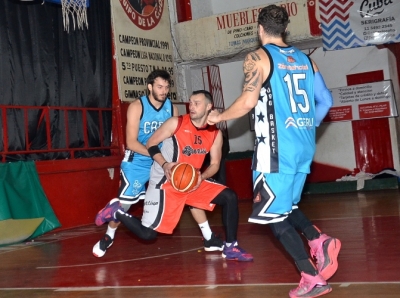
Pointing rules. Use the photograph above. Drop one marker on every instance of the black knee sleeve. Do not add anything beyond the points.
(290, 239)
(230, 212)
(301, 222)
(135, 226)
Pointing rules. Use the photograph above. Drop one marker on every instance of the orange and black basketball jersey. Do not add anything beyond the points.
(192, 143)
(163, 204)
(188, 144)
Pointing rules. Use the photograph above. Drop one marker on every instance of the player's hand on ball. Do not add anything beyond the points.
(198, 182)
(168, 169)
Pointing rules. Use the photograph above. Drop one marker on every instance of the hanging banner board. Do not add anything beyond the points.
(364, 101)
(357, 23)
(142, 40)
(236, 31)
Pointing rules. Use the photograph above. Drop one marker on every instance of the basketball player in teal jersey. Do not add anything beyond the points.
(144, 117)
(290, 100)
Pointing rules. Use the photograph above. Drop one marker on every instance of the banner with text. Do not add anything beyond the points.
(235, 31)
(356, 23)
(143, 42)
(240, 27)
(364, 101)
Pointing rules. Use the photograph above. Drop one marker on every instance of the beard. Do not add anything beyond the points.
(157, 97)
(197, 116)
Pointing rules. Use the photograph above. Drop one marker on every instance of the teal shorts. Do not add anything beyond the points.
(275, 195)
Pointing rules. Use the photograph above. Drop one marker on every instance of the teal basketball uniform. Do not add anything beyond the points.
(285, 134)
(135, 167)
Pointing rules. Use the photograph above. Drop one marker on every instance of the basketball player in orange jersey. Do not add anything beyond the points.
(144, 116)
(188, 139)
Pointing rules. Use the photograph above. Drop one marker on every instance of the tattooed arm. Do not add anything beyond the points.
(255, 67)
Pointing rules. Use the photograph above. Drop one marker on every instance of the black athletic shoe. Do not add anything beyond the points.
(100, 248)
(214, 244)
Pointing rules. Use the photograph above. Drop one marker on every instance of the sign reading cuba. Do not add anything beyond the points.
(145, 14)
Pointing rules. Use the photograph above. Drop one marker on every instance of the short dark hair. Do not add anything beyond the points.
(274, 19)
(206, 93)
(158, 73)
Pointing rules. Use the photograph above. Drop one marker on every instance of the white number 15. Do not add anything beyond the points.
(294, 81)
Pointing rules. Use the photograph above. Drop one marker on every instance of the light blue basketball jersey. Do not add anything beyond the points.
(285, 114)
(152, 118)
(135, 167)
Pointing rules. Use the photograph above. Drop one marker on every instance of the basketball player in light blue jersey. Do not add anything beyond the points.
(290, 100)
(144, 117)
(134, 174)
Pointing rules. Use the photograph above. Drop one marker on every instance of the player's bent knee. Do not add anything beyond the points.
(227, 196)
(279, 228)
(148, 234)
(231, 196)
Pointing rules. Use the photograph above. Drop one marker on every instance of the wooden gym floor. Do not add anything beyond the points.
(61, 264)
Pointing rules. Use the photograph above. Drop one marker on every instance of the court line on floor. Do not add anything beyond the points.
(62, 235)
(97, 288)
(122, 261)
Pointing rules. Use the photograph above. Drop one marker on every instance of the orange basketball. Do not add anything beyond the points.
(184, 177)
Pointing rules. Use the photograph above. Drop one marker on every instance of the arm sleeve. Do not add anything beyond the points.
(323, 99)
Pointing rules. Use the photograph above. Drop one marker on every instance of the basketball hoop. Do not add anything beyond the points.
(76, 10)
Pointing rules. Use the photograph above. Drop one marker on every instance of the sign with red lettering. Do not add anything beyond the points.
(231, 33)
(344, 113)
(363, 101)
(374, 110)
(240, 27)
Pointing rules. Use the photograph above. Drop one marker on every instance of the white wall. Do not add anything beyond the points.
(201, 9)
(335, 140)
(240, 136)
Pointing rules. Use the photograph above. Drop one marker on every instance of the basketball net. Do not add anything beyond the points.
(76, 10)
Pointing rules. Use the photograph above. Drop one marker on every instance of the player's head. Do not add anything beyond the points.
(158, 83)
(274, 20)
(200, 104)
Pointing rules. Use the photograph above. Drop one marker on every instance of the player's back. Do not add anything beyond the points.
(285, 127)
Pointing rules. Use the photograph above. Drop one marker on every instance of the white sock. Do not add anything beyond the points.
(229, 244)
(205, 230)
(111, 231)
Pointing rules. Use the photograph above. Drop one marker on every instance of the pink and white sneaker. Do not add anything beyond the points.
(325, 249)
(310, 286)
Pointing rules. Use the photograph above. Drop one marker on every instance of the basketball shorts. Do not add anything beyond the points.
(163, 206)
(275, 194)
(133, 178)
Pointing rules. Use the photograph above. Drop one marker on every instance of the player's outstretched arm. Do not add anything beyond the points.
(253, 70)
